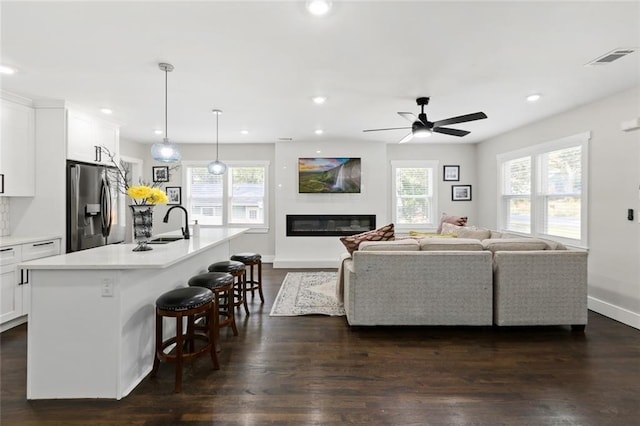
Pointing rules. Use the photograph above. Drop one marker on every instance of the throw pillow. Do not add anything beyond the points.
(352, 242)
(450, 229)
(454, 220)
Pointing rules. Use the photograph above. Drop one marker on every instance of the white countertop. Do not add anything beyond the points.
(122, 256)
(12, 241)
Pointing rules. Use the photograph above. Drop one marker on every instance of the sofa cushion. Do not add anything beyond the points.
(419, 234)
(437, 244)
(513, 244)
(406, 244)
(381, 234)
(477, 234)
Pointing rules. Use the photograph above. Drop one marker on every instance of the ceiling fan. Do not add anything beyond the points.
(421, 127)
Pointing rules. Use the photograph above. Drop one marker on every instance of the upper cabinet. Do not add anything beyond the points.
(17, 149)
(86, 135)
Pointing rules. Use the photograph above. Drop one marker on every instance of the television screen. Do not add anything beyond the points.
(328, 175)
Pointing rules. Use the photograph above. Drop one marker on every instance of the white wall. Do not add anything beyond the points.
(614, 181)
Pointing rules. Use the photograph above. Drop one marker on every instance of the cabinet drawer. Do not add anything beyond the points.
(40, 249)
(10, 254)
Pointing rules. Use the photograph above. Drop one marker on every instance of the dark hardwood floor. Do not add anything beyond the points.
(316, 370)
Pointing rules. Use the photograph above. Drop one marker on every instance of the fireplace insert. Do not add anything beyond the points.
(329, 225)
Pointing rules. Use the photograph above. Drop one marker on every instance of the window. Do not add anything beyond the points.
(543, 190)
(414, 194)
(237, 198)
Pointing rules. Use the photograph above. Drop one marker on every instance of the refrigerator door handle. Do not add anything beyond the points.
(105, 206)
(74, 196)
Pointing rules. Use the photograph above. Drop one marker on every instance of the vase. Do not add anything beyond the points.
(142, 225)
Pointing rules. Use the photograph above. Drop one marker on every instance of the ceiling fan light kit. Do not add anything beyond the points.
(421, 127)
(165, 152)
(217, 167)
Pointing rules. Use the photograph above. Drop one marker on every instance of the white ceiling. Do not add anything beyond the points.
(262, 62)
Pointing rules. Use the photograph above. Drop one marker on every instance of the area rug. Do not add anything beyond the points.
(307, 293)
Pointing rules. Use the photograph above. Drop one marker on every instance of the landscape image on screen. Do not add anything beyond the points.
(329, 175)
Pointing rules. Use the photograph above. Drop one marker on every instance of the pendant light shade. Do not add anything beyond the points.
(165, 152)
(217, 167)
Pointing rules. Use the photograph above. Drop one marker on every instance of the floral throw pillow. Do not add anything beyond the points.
(352, 242)
(453, 220)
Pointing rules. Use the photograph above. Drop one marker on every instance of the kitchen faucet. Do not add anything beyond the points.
(185, 230)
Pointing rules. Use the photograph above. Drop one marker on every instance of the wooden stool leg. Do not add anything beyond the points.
(243, 291)
(260, 280)
(179, 343)
(156, 356)
(214, 329)
(231, 309)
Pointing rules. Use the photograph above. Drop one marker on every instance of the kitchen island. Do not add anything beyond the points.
(91, 327)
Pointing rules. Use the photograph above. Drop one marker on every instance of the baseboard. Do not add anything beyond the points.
(299, 264)
(617, 313)
(13, 323)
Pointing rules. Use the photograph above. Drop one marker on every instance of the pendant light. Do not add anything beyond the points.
(217, 167)
(165, 152)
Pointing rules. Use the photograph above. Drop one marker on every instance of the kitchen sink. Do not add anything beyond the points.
(164, 240)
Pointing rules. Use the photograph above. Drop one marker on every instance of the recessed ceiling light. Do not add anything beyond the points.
(106, 111)
(534, 97)
(319, 131)
(318, 7)
(244, 132)
(7, 70)
(318, 152)
(157, 131)
(319, 100)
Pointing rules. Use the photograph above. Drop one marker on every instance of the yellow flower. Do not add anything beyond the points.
(145, 195)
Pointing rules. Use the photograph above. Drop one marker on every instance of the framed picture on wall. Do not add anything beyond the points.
(160, 173)
(451, 173)
(460, 192)
(174, 194)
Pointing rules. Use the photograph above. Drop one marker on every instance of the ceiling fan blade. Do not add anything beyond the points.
(411, 117)
(407, 138)
(390, 128)
(461, 119)
(448, 131)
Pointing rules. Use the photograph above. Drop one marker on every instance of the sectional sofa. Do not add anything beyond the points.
(503, 280)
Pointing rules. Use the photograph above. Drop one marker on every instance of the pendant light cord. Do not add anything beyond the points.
(166, 90)
(217, 143)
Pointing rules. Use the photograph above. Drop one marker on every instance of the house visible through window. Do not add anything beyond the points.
(414, 194)
(236, 198)
(543, 190)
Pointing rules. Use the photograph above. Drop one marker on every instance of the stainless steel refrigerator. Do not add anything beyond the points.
(95, 207)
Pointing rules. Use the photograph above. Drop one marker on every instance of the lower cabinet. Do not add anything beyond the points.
(15, 291)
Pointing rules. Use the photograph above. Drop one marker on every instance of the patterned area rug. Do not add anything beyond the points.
(306, 293)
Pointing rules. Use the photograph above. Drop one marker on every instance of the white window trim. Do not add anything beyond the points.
(580, 139)
(253, 228)
(433, 164)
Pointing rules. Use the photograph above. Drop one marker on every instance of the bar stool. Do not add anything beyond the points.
(251, 259)
(186, 302)
(221, 284)
(236, 269)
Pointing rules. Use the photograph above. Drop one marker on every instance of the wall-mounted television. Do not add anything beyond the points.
(328, 175)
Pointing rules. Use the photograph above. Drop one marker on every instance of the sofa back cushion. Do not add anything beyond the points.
(476, 234)
(406, 244)
(513, 244)
(437, 244)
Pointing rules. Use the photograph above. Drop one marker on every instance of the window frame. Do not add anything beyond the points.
(539, 197)
(226, 193)
(434, 165)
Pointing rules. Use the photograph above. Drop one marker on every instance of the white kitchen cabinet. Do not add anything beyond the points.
(85, 136)
(15, 288)
(17, 150)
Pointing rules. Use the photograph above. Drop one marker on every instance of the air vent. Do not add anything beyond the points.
(609, 57)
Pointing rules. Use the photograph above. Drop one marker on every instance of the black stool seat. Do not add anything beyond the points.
(212, 280)
(230, 266)
(184, 299)
(246, 258)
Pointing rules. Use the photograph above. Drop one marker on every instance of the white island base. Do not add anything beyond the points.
(92, 322)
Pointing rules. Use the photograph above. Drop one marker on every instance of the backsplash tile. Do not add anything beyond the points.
(4, 217)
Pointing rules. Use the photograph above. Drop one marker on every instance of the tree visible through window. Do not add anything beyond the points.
(414, 193)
